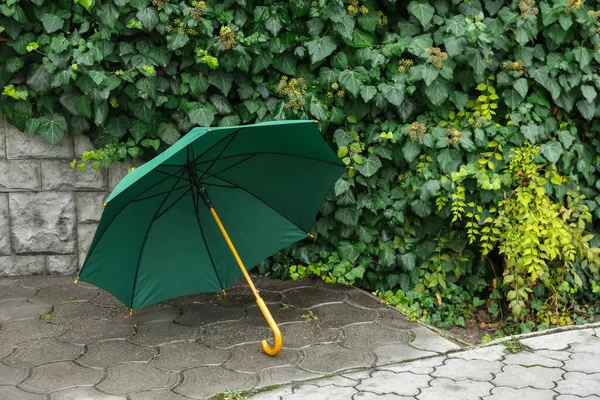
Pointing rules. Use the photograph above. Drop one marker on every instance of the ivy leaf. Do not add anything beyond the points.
(566, 138)
(40, 79)
(512, 98)
(587, 110)
(367, 92)
(320, 48)
(409, 261)
(262, 61)
(421, 208)
(347, 215)
(148, 17)
(345, 27)
(552, 151)
(147, 87)
(176, 40)
(437, 92)
(521, 86)
(421, 10)
(286, 64)
(351, 251)
(51, 22)
(582, 55)
(393, 93)
(343, 137)
(530, 131)
(411, 150)
(117, 127)
(352, 80)
(588, 92)
(429, 74)
(273, 24)
(202, 114)
(455, 45)
(230, 120)
(52, 129)
(168, 133)
(459, 99)
(221, 80)
(449, 160)
(371, 165)
(419, 44)
(341, 186)
(368, 21)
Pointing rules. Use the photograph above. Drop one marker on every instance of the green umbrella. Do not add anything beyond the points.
(160, 236)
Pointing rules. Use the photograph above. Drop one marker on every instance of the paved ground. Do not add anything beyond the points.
(558, 366)
(65, 341)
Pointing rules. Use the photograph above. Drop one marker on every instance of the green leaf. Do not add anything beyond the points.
(286, 64)
(368, 21)
(87, 4)
(587, 110)
(582, 55)
(588, 92)
(262, 61)
(512, 98)
(230, 120)
(40, 79)
(459, 99)
(429, 74)
(411, 150)
(168, 133)
(419, 44)
(449, 160)
(566, 138)
(221, 80)
(147, 87)
(345, 27)
(351, 251)
(202, 114)
(421, 10)
(148, 17)
(552, 151)
(421, 208)
(117, 127)
(437, 92)
(367, 92)
(371, 165)
(343, 137)
(409, 261)
(51, 22)
(455, 46)
(273, 24)
(393, 93)
(320, 48)
(530, 131)
(352, 80)
(347, 215)
(176, 40)
(521, 86)
(341, 186)
(52, 129)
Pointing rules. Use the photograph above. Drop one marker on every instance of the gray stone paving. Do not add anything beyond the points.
(60, 341)
(556, 366)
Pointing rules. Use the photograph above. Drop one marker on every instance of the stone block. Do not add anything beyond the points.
(19, 175)
(4, 226)
(2, 137)
(58, 175)
(43, 222)
(19, 145)
(82, 143)
(22, 265)
(63, 265)
(90, 206)
(116, 172)
(85, 235)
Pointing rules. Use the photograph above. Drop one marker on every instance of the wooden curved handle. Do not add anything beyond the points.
(274, 328)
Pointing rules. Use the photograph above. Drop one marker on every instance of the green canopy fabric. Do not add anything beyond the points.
(157, 239)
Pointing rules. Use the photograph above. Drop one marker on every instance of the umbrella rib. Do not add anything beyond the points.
(158, 194)
(220, 154)
(261, 200)
(276, 154)
(235, 165)
(171, 175)
(216, 144)
(212, 261)
(173, 204)
(137, 267)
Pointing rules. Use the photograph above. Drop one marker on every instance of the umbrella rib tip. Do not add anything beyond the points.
(316, 121)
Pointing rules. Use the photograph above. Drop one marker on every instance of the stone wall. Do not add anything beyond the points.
(48, 211)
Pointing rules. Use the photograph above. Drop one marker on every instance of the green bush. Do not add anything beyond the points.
(428, 101)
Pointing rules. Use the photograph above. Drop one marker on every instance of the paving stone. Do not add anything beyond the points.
(241, 296)
(365, 336)
(58, 175)
(528, 359)
(373, 396)
(105, 299)
(90, 331)
(301, 334)
(444, 388)
(134, 377)
(21, 309)
(518, 377)
(4, 225)
(90, 205)
(490, 353)
(591, 345)
(63, 375)
(186, 354)
(337, 380)
(156, 333)
(36, 352)
(363, 299)
(278, 285)
(11, 289)
(5, 350)
(475, 370)
(557, 341)
(20, 145)
(155, 313)
(228, 334)
(157, 395)
(20, 175)
(111, 352)
(342, 314)
(251, 358)
(426, 339)
(569, 397)
(579, 384)
(315, 392)
(328, 358)
(311, 296)
(203, 382)
(42, 222)
(395, 353)
(76, 310)
(63, 265)
(275, 394)
(283, 375)
(83, 393)
(583, 362)
(204, 314)
(16, 265)
(423, 367)
(554, 354)
(507, 393)
(62, 294)
(11, 375)
(280, 315)
(358, 374)
(15, 332)
(390, 317)
(12, 393)
(402, 383)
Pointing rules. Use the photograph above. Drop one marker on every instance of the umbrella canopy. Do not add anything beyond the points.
(157, 239)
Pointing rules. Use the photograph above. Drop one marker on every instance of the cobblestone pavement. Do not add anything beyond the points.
(60, 341)
(557, 366)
